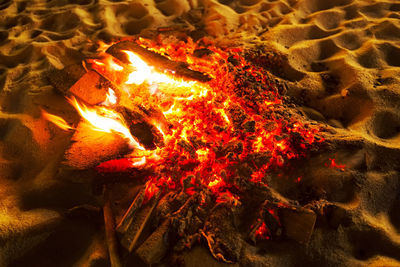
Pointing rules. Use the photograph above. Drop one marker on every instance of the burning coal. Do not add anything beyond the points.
(199, 118)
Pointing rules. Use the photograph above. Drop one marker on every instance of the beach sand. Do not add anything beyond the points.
(340, 61)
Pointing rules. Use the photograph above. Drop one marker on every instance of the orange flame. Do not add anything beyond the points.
(60, 122)
(105, 120)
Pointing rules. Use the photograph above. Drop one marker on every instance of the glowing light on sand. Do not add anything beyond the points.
(60, 122)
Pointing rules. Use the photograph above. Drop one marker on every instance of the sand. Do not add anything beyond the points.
(340, 60)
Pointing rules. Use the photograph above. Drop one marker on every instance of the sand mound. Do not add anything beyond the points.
(340, 61)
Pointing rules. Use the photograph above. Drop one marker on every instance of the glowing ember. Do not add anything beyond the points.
(230, 121)
(262, 232)
(333, 164)
(210, 136)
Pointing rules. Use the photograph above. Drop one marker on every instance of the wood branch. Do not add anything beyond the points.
(88, 86)
(133, 208)
(129, 238)
(138, 127)
(62, 80)
(109, 229)
(155, 247)
(158, 61)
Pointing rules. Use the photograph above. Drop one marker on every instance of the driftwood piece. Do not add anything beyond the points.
(156, 245)
(222, 236)
(128, 216)
(129, 238)
(62, 80)
(158, 61)
(89, 86)
(110, 231)
(298, 224)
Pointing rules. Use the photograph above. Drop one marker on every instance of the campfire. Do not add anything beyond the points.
(201, 130)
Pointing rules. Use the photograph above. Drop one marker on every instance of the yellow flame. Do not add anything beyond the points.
(223, 114)
(171, 110)
(159, 128)
(105, 120)
(143, 72)
(140, 162)
(215, 182)
(111, 98)
(115, 66)
(60, 122)
(202, 153)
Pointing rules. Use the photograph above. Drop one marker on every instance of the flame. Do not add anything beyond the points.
(140, 162)
(60, 122)
(111, 98)
(142, 72)
(116, 66)
(105, 120)
(215, 183)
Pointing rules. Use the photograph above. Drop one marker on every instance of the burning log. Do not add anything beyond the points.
(139, 128)
(158, 61)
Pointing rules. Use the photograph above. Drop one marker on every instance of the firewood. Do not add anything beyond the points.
(158, 61)
(129, 238)
(88, 86)
(110, 232)
(138, 127)
(133, 208)
(91, 88)
(156, 245)
(62, 80)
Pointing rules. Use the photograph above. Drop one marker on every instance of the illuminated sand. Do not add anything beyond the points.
(342, 65)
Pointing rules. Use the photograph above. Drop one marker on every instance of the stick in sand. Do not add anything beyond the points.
(110, 233)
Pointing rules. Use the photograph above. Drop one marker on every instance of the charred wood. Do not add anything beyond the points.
(156, 245)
